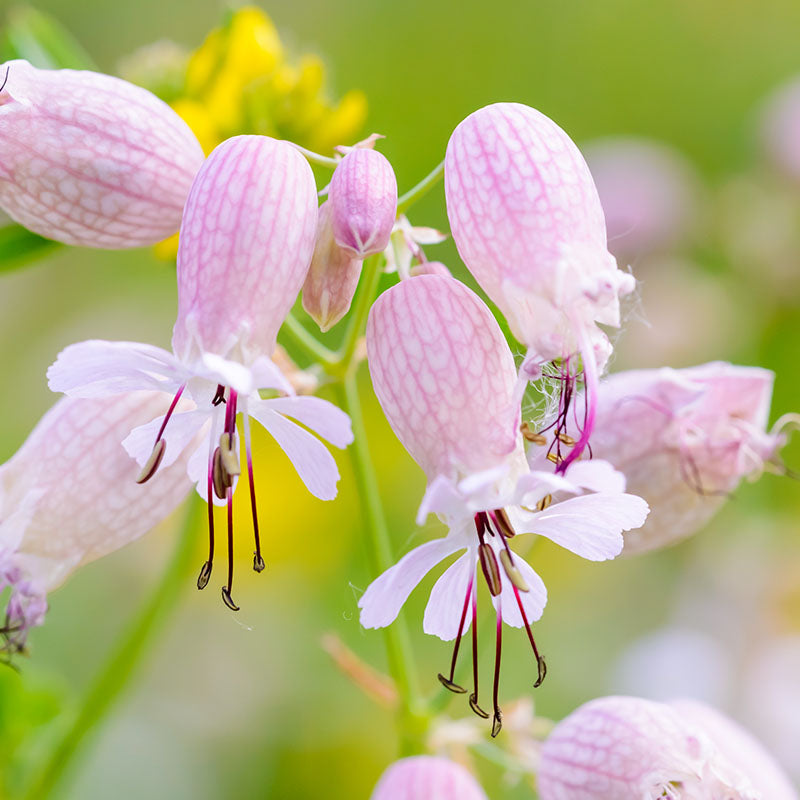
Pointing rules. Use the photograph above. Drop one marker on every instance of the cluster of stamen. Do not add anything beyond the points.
(495, 524)
(223, 469)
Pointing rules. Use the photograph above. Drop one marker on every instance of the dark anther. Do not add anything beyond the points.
(152, 463)
(503, 522)
(542, 672)
(258, 562)
(219, 397)
(228, 600)
(219, 475)
(497, 723)
(205, 574)
(490, 569)
(449, 685)
(473, 704)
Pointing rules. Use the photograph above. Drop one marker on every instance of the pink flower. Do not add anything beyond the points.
(245, 246)
(684, 440)
(68, 497)
(427, 778)
(527, 221)
(629, 747)
(446, 380)
(332, 278)
(91, 160)
(405, 245)
(363, 202)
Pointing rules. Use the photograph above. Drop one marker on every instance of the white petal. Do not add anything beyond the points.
(441, 497)
(228, 373)
(97, 368)
(324, 418)
(533, 601)
(590, 526)
(384, 597)
(446, 603)
(180, 430)
(596, 475)
(314, 464)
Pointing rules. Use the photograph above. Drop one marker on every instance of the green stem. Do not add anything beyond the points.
(370, 277)
(308, 342)
(316, 158)
(407, 200)
(113, 678)
(413, 717)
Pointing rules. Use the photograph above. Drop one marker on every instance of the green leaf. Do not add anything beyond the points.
(40, 39)
(19, 247)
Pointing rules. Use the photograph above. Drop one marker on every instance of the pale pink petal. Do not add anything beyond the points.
(533, 601)
(444, 375)
(226, 372)
(381, 602)
(596, 476)
(181, 430)
(441, 497)
(427, 778)
(92, 160)
(246, 242)
(740, 748)
(446, 603)
(268, 375)
(309, 456)
(97, 368)
(590, 526)
(324, 418)
(363, 202)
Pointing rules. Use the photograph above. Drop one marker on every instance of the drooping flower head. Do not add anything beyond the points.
(68, 496)
(246, 243)
(427, 778)
(684, 439)
(92, 160)
(528, 224)
(629, 747)
(446, 380)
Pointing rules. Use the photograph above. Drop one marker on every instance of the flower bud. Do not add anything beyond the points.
(628, 747)
(431, 268)
(91, 160)
(363, 199)
(332, 278)
(684, 440)
(427, 778)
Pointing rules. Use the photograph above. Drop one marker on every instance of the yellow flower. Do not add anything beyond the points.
(240, 81)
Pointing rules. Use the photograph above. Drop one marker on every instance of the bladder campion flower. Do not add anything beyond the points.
(92, 160)
(629, 747)
(427, 778)
(526, 218)
(446, 380)
(684, 439)
(246, 243)
(68, 496)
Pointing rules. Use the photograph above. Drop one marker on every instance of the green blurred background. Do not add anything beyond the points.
(250, 705)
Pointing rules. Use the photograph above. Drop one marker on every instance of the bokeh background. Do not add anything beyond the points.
(251, 705)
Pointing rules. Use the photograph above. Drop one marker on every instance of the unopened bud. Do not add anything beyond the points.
(363, 199)
(332, 277)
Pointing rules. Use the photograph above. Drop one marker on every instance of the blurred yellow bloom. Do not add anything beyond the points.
(240, 81)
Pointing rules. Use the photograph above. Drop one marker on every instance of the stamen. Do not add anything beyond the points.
(541, 666)
(490, 569)
(219, 397)
(530, 435)
(497, 720)
(514, 575)
(473, 698)
(555, 458)
(205, 570)
(502, 522)
(449, 683)
(152, 463)
(230, 460)
(566, 439)
(220, 476)
(544, 502)
(258, 561)
(226, 590)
